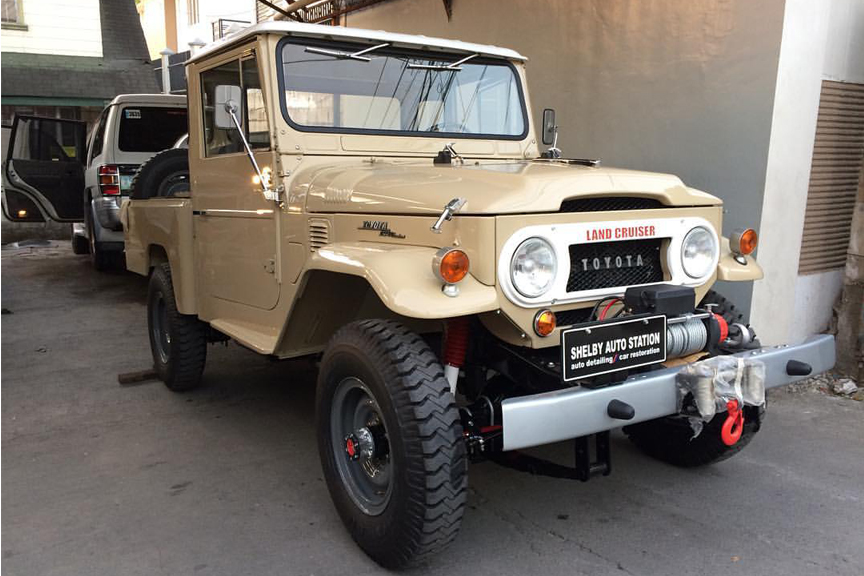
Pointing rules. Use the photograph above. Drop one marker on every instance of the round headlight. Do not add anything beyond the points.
(698, 252)
(533, 267)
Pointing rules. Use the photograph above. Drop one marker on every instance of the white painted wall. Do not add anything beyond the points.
(821, 40)
(208, 12)
(685, 87)
(63, 27)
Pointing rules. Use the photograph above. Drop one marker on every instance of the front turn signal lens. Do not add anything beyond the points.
(450, 265)
(545, 322)
(744, 241)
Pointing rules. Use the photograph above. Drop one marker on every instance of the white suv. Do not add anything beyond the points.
(131, 129)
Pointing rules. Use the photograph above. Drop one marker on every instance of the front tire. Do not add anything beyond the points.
(671, 439)
(178, 341)
(401, 491)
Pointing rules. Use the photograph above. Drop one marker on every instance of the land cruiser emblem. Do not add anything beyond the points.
(380, 226)
(609, 263)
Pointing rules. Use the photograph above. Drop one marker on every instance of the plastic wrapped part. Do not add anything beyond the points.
(753, 385)
(712, 383)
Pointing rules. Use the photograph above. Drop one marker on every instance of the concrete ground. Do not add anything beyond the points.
(100, 478)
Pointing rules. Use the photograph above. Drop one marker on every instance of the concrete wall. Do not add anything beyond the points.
(62, 27)
(663, 85)
(821, 40)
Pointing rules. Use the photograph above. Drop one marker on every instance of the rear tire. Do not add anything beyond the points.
(80, 245)
(403, 501)
(178, 341)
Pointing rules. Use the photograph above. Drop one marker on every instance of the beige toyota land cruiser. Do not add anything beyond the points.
(379, 202)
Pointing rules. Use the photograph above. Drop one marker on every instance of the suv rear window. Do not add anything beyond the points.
(151, 129)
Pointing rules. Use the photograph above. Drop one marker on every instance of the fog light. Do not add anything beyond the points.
(545, 322)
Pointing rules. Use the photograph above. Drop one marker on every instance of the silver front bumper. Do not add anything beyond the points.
(565, 414)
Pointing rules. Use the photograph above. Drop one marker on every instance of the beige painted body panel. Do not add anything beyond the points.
(157, 229)
(490, 187)
(280, 278)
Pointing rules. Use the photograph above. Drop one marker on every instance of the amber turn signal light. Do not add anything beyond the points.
(744, 241)
(450, 265)
(545, 322)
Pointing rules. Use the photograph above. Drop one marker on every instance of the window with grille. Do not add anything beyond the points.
(835, 174)
(192, 11)
(11, 11)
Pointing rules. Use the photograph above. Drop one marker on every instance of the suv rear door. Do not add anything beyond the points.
(45, 163)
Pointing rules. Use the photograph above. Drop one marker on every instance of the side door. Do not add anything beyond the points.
(16, 207)
(45, 164)
(235, 226)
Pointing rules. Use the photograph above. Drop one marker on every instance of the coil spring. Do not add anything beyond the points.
(685, 338)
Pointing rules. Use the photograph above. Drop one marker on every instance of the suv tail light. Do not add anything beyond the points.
(109, 179)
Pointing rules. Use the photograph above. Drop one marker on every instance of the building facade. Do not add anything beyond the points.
(68, 58)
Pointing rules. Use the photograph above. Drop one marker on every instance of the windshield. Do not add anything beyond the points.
(358, 89)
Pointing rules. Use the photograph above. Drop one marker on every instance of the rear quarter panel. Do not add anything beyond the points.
(157, 228)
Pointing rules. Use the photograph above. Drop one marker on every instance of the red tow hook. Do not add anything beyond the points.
(734, 424)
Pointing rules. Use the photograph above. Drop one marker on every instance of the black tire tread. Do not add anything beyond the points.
(188, 339)
(431, 427)
(724, 308)
(152, 171)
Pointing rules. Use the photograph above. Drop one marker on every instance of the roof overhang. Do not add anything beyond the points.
(299, 29)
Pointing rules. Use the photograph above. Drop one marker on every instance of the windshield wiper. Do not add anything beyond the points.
(451, 67)
(347, 55)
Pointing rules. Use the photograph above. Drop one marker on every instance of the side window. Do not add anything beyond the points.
(98, 139)
(243, 73)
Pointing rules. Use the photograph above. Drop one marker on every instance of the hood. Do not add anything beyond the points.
(491, 187)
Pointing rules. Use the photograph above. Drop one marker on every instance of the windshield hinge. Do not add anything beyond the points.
(452, 207)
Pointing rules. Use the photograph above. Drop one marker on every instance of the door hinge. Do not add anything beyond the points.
(270, 266)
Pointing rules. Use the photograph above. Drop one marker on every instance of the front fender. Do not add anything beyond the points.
(731, 270)
(402, 278)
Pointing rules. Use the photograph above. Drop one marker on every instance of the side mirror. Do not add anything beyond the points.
(228, 98)
(549, 127)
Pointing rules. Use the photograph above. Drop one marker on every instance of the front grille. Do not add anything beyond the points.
(609, 204)
(572, 317)
(612, 264)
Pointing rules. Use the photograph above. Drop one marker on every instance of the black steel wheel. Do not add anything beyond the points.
(390, 442)
(178, 341)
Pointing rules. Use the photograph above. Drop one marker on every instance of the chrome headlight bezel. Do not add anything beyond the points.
(536, 244)
(701, 260)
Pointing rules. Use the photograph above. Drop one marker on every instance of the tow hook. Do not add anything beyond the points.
(734, 424)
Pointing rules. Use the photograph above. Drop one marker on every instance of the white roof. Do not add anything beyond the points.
(149, 99)
(343, 33)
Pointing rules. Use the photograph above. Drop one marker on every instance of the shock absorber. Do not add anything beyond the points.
(456, 338)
